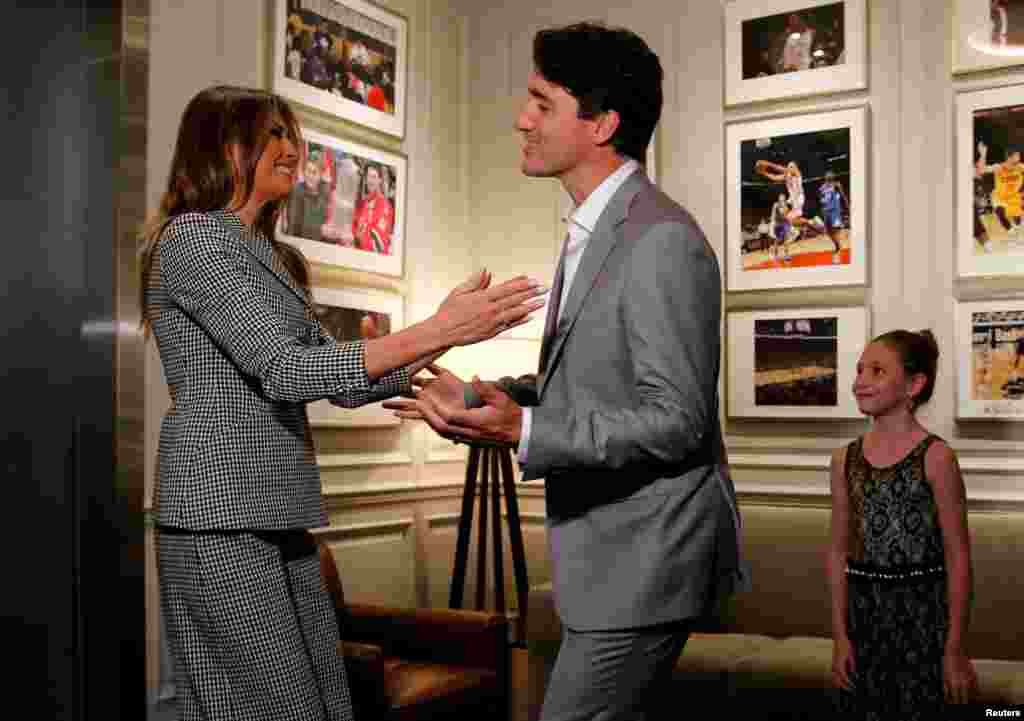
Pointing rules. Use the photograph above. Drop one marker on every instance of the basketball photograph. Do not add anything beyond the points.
(990, 354)
(798, 363)
(777, 49)
(998, 180)
(804, 39)
(350, 314)
(997, 355)
(990, 181)
(795, 206)
(795, 362)
(990, 34)
(346, 206)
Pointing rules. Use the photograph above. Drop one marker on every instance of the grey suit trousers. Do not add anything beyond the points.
(619, 675)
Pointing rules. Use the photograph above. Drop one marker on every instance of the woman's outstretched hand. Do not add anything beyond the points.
(475, 311)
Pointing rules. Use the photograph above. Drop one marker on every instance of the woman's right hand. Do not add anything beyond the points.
(475, 312)
(843, 666)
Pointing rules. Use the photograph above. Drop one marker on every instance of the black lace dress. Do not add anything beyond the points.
(897, 612)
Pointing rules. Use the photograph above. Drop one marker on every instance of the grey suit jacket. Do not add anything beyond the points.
(243, 353)
(642, 516)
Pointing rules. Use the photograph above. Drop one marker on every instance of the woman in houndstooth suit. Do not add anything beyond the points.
(249, 621)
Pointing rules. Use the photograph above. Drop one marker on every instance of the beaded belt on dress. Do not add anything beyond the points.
(875, 572)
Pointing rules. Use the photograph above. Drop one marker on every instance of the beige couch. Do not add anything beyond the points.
(769, 648)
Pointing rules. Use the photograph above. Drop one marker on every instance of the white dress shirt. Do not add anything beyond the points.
(582, 221)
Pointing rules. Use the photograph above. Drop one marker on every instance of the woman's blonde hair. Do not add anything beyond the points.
(203, 177)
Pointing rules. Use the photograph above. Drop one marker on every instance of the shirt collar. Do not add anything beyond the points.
(589, 212)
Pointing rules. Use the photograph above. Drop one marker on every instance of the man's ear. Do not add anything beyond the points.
(917, 383)
(606, 125)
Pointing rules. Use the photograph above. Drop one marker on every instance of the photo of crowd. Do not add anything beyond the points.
(796, 362)
(353, 58)
(998, 178)
(997, 355)
(343, 199)
(791, 42)
(795, 205)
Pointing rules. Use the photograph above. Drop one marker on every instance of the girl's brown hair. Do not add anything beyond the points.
(919, 353)
(202, 176)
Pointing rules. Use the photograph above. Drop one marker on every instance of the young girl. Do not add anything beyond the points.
(899, 562)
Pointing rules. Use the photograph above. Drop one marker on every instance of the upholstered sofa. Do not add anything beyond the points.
(769, 648)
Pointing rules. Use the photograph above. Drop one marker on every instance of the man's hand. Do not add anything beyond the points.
(499, 419)
(446, 387)
(440, 401)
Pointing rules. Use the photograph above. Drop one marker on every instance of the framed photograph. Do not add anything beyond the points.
(342, 57)
(795, 363)
(990, 182)
(347, 207)
(990, 360)
(796, 205)
(987, 34)
(355, 314)
(793, 48)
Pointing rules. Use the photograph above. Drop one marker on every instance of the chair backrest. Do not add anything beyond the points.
(329, 571)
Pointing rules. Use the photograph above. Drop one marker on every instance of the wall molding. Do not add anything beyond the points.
(398, 527)
(363, 460)
(979, 461)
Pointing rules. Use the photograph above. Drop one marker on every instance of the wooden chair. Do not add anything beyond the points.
(412, 664)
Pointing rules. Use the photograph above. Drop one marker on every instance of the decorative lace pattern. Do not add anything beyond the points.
(897, 610)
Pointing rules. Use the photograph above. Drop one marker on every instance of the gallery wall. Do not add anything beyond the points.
(910, 278)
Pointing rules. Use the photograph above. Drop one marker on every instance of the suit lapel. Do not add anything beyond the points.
(261, 249)
(599, 245)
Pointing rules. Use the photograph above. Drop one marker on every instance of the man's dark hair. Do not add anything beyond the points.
(605, 69)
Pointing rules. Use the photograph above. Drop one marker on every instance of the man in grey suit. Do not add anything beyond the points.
(622, 419)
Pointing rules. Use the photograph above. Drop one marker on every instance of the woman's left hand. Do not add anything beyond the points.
(959, 680)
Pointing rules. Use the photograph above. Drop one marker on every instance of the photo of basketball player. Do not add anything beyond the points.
(999, 180)
(831, 199)
(795, 41)
(997, 355)
(780, 225)
(813, 170)
(796, 361)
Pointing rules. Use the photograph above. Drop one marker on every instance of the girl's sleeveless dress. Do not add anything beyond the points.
(897, 610)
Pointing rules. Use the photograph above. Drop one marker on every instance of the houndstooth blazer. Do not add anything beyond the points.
(243, 353)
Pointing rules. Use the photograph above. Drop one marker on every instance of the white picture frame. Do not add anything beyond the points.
(346, 181)
(756, 40)
(346, 58)
(979, 40)
(800, 359)
(990, 375)
(809, 260)
(984, 246)
(345, 305)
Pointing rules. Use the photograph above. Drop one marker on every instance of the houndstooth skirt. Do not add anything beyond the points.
(251, 626)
